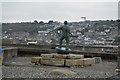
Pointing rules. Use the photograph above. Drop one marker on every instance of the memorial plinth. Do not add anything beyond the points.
(73, 62)
(67, 60)
(52, 62)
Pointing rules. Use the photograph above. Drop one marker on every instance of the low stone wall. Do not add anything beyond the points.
(1, 58)
(9, 53)
(38, 51)
(68, 60)
(92, 48)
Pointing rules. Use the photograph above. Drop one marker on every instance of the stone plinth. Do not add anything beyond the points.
(88, 61)
(46, 56)
(73, 62)
(68, 60)
(60, 56)
(52, 62)
(74, 56)
(36, 60)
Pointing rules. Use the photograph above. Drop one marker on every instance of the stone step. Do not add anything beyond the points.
(63, 60)
(60, 56)
(88, 61)
(52, 62)
(73, 62)
(46, 56)
(75, 56)
(36, 60)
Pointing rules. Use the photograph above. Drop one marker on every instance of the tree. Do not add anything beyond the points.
(50, 21)
(41, 22)
(35, 21)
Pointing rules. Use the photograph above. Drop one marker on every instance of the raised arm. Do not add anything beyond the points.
(56, 29)
(71, 33)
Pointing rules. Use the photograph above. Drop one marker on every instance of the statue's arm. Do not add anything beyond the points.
(72, 34)
(69, 32)
(56, 29)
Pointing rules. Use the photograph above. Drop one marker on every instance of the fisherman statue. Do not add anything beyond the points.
(65, 34)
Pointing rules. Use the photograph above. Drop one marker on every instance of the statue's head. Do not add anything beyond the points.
(65, 22)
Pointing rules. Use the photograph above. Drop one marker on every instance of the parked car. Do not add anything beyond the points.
(34, 43)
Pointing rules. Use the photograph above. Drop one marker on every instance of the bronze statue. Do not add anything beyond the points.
(65, 34)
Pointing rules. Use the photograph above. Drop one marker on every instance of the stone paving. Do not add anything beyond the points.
(21, 67)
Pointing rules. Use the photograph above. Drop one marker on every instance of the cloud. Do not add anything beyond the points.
(59, 0)
(72, 11)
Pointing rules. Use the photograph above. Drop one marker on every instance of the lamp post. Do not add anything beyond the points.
(84, 18)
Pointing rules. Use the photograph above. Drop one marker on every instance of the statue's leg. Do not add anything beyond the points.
(67, 43)
(60, 43)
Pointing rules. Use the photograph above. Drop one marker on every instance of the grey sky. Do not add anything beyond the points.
(58, 11)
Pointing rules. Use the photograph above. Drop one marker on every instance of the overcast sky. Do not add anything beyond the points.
(58, 11)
